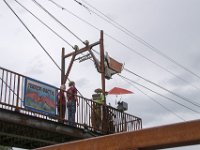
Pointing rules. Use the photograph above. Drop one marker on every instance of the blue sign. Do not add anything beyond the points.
(40, 97)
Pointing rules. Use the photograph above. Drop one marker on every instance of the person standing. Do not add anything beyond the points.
(61, 103)
(98, 109)
(71, 104)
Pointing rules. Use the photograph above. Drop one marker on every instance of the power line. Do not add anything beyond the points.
(39, 5)
(129, 48)
(58, 20)
(139, 39)
(158, 94)
(185, 99)
(32, 35)
(151, 98)
(83, 20)
(44, 24)
(82, 5)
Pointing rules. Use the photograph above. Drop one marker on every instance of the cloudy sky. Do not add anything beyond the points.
(170, 26)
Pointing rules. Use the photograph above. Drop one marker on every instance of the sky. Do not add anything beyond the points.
(170, 26)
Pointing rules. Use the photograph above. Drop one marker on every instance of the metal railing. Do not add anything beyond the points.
(89, 114)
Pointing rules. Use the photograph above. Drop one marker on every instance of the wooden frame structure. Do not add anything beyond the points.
(88, 47)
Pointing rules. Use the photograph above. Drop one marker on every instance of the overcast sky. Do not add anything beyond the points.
(171, 26)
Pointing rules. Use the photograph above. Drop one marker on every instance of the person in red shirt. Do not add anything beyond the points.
(71, 104)
(61, 103)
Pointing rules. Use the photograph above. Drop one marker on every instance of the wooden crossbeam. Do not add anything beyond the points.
(174, 135)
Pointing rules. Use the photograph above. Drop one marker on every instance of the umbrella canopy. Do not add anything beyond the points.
(119, 91)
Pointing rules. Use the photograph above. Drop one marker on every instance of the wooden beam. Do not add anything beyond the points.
(70, 67)
(87, 48)
(174, 135)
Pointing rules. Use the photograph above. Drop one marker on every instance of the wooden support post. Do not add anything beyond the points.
(102, 67)
(70, 67)
(63, 66)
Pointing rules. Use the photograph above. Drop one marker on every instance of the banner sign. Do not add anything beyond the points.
(40, 97)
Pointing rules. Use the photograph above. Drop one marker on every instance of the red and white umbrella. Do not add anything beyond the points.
(119, 91)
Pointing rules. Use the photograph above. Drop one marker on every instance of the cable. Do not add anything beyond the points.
(151, 98)
(44, 24)
(131, 49)
(57, 19)
(32, 35)
(82, 5)
(39, 5)
(158, 93)
(185, 99)
(76, 17)
(139, 39)
(73, 14)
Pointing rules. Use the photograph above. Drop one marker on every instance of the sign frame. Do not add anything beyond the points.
(37, 93)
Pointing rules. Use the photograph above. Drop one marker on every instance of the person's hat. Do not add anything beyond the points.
(98, 90)
(63, 87)
(71, 83)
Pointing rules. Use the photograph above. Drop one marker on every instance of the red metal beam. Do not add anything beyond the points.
(174, 135)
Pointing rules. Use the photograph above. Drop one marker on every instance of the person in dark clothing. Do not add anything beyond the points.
(72, 101)
(61, 103)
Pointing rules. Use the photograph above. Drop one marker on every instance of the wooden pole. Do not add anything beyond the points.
(102, 65)
(63, 66)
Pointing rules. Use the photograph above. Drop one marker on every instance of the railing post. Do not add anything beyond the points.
(18, 86)
(63, 66)
(1, 86)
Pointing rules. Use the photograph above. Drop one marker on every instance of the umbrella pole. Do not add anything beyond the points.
(116, 100)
